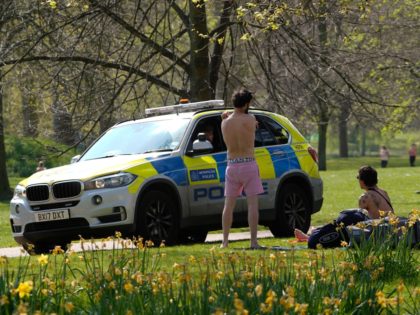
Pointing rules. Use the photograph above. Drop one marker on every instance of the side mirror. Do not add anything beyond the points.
(75, 159)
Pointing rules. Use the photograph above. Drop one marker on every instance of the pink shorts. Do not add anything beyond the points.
(243, 176)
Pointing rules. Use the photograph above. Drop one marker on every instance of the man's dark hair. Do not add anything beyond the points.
(241, 97)
(368, 175)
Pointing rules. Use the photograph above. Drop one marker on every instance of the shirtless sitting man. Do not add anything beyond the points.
(242, 172)
(373, 201)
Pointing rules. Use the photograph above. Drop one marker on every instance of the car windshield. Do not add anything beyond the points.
(142, 137)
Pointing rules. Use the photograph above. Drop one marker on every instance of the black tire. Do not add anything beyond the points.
(158, 218)
(44, 247)
(293, 211)
(193, 236)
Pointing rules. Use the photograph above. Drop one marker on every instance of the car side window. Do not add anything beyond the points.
(211, 126)
(269, 132)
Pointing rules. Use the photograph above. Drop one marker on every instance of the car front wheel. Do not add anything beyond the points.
(293, 211)
(158, 218)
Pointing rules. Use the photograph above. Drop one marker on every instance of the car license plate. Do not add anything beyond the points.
(52, 215)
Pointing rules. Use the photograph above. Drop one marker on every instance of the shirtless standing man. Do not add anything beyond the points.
(242, 172)
(372, 201)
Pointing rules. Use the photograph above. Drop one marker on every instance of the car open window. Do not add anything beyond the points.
(214, 123)
(269, 132)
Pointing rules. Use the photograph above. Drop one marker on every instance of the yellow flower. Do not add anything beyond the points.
(301, 309)
(25, 288)
(4, 300)
(118, 234)
(258, 290)
(239, 305)
(128, 287)
(344, 244)
(69, 307)
(22, 309)
(43, 260)
(3, 260)
(57, 250)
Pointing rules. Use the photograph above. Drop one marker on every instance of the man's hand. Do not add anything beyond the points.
(225, 114)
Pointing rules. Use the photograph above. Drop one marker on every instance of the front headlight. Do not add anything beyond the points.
(20, 192)
(110, 181)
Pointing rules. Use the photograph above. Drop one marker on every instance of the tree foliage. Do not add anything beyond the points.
(69, 69)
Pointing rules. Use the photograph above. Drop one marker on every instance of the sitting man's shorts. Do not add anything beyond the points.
(242, 175)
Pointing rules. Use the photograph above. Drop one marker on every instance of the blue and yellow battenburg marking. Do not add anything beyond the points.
(210, 169)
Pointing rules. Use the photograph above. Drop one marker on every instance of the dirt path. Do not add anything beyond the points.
(211, 238)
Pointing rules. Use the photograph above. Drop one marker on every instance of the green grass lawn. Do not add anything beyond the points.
(341, 190)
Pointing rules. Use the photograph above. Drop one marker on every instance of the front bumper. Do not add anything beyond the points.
(87, 219)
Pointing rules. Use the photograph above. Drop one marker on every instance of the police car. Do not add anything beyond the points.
(161, 178)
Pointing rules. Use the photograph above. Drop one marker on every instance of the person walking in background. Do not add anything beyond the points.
(242, 172)
(384, 155)
(40, 166)
(412, 152)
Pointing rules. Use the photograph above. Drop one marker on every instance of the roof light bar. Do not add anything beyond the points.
(185, 107)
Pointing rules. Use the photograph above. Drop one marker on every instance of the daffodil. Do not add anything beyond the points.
(69, 307)
(24, 289)
(43, 260)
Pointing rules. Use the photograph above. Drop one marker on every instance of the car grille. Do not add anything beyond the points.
(37, 193)
(58, 205)
(66, 189)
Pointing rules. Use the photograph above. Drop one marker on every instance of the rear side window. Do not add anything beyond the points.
(269, 132)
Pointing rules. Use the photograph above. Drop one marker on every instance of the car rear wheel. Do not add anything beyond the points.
(293, 211)
(158, 218)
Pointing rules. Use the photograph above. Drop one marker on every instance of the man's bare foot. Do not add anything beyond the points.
(223, 245)
(301, 237)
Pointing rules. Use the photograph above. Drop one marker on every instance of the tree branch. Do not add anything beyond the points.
(165, 52)
(147, 76)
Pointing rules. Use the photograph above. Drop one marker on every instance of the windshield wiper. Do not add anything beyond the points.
(158, 150)
(108, 156)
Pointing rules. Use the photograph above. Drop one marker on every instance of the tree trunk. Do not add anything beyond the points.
(323, 112)
(4, 180)
(322, 145)
(342, 129)
(363, 148)
(200, 88)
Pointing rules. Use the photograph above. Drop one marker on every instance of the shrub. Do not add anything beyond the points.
(23, 154)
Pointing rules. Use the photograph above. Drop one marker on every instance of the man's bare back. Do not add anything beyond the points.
(374, 201)
(238, 131)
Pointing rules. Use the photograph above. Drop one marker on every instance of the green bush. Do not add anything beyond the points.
(23, 154)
